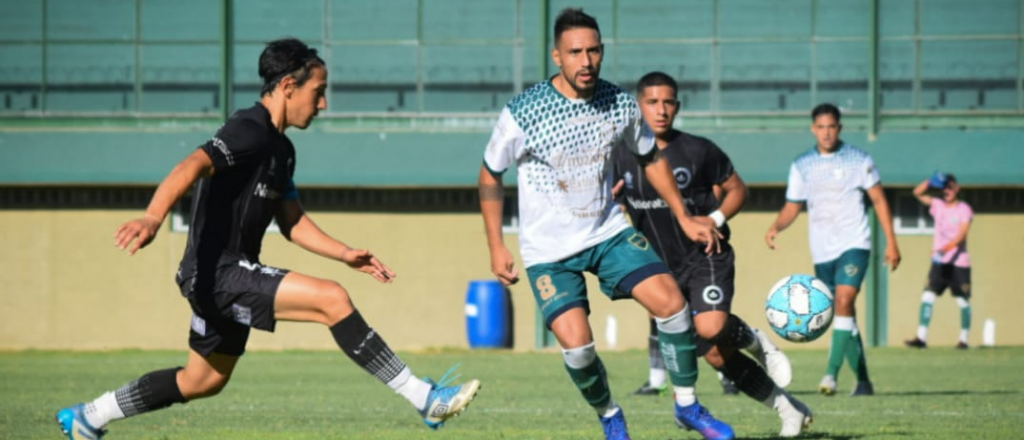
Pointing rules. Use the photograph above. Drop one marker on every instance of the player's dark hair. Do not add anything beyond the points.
(571, 18)
(950, 178)
(655, 79)
(826, 109)
(287, 57)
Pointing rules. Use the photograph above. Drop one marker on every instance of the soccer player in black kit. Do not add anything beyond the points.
(713, 192)
(242, 180)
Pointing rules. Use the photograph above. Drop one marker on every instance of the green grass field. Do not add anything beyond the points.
(933, 394)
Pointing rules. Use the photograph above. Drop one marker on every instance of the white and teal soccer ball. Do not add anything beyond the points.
(799, 308)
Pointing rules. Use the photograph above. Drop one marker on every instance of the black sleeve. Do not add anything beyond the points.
(719, 164)
(238, 143)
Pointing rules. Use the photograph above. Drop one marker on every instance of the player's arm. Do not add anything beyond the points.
(892, 250)
(659, 175)
(735, 196)
(136, 234)
(297, 227)
(961, 235)
(921, 192)
(789, 212)
(492, 203)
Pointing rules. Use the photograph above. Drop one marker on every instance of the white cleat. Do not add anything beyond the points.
(827, 386)
(796, 417)
(773, 359)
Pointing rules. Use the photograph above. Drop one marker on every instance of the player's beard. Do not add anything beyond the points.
(583, 89)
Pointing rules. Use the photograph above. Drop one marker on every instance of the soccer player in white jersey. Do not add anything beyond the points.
(831, 178)
(559, 135)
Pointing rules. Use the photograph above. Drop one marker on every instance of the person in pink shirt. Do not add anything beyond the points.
(951, 264)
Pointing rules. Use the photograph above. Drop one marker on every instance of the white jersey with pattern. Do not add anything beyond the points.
(833, 187)
(561, 148)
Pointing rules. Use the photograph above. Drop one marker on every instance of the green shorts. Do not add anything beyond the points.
(847, 270)
(620, 263)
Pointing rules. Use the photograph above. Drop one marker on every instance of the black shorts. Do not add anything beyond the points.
(707, 281)
(957, 279)
(239, 296)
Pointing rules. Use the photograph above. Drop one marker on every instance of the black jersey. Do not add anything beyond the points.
(697, 164)
(254, 164)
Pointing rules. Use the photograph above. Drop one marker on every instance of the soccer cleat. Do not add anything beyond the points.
(796, 417)
(615, 426)
(863, 389)
(962, 345)
(697, 418)
(647, 390)
(773, 359)
(445, 402)
(915, 343)
(72, 422)
(827, 386)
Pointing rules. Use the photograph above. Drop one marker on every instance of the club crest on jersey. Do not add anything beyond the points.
(628, 178)
(713, 295)
(682, 176)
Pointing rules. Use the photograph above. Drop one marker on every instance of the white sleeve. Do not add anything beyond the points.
(506, 143)
(638, 136)
(796, 189)
(869, 174)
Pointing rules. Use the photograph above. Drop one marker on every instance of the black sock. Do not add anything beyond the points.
(748, 376)
(366, 348)
(735, 334)
(153, 391)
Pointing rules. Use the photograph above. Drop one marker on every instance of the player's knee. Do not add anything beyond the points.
(928, 297)
(580, 357)
(335, 303)
(963, 302)
(714, 358)
(196, 387)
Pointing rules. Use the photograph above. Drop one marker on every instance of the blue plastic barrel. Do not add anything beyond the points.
(488, 315)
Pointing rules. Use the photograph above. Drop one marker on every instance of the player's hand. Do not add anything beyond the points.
(703, 232)
(364, 261)
(770, 237)
(892, 256)
(617, 189)
(136, 234)
(503, 266)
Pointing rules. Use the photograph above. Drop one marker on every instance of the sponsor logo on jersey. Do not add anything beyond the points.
(241, 314)
(646, 204)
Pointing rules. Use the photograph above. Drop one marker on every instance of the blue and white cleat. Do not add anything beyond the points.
(697, 418)
(72, 422)
(615, 426)
(445, 402)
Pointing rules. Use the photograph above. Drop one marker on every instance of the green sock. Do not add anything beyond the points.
(855, 357)
(965, 318)
(836, 353)
(680, 353)
(926, 314)
(592, 382)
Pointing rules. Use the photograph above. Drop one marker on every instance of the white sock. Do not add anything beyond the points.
(609, 410)
(657, 377)
(963, 335)
(103, 410)
(685, 396)
(922, 333)
(414, 389)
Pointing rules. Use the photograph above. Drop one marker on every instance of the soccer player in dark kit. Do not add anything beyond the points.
(706, 279)
(242, 180)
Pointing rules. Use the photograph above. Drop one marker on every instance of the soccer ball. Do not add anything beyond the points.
(799, 308)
